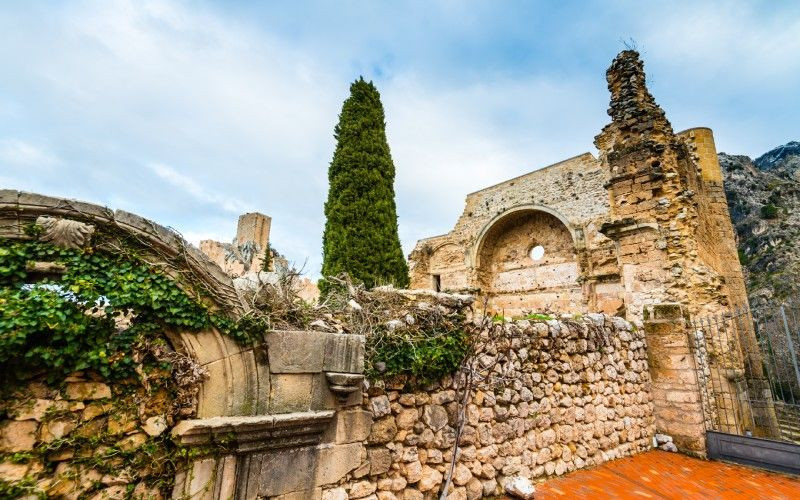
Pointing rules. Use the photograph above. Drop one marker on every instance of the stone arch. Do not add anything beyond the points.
(271, 400)
(481, 239)
(229, 364)
(516, 278)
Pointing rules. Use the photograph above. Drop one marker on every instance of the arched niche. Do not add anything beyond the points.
(526, 260)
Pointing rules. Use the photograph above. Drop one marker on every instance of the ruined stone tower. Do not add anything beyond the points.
(668, 213)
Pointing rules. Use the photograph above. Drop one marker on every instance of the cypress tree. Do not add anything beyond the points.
(361, 217)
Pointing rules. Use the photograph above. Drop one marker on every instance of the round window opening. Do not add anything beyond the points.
(537, 252)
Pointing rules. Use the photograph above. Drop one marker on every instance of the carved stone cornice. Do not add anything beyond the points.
(254, 433)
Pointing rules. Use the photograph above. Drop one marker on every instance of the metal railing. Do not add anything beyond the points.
(748, 369)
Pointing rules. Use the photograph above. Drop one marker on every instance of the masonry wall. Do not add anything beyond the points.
(570, 192)
(569, 394)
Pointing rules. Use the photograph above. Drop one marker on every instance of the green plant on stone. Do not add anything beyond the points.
(539, 317)
(769, 211)
(425, 353)
(67, 323)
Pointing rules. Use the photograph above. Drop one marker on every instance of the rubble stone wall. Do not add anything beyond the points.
(568, 394)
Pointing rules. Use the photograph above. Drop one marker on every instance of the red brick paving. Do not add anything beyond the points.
(660, 474)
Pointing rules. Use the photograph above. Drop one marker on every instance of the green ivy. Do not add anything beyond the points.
(65, 322)
(17, 489)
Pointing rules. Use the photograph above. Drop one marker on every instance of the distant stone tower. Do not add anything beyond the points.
(246, 253)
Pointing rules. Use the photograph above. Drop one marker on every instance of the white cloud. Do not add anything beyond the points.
(196, 190)
(17, 152)
(191, 114)
(743, 41)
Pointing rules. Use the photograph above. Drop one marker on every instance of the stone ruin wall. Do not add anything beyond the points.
(574, 394)
(270, 400)
(650, 240)
(648, 218)
(560, 207)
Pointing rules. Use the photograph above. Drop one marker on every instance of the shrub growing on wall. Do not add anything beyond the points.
(67, 323)
(361, 217)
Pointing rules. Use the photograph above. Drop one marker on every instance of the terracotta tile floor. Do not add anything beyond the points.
(659, 474)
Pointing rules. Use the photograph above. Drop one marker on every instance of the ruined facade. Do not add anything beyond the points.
(646, 222)
(640, 231)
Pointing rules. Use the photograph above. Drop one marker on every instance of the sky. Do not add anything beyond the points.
(193, 112)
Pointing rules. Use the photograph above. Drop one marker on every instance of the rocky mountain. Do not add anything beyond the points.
(764, 201)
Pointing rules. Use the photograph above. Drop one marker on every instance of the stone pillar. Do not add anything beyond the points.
(677, 401)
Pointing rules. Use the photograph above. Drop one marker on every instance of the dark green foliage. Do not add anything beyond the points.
(360, 236)
(769, 211)
(425, 355)
(66, 323)
(267, 263)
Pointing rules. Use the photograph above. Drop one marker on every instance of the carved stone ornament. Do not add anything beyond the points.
(65, 233)
(344, 384)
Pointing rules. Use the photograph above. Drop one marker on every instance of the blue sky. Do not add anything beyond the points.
(190, 113)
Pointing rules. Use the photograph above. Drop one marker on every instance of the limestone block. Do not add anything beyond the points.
(155, 426)
(205, 346)
(334, 494)
(362, 489)
(290, 392)
(285, 470)
(33, 409)
(431, 479)
(344, 353)
(132, 442)
(17, 435)
(380, 406)
(412, 494)
(380, 461)
(55, 429)
(334, 461)
(383, 430)
(520, 487)
(116, 492)
(322, 398)
(12, 472)
(197, 482)
(215, 390)
(435, 417)
(82, 391)
(350, 426)
(315, 494)
(295, 351)
(406, 418)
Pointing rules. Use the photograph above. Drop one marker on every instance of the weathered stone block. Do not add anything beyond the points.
(335, 461)
(380, 461)
(82, 391)
(283, 471)
(18, 435)
(295, 351)
(290, 392)
(350, 426)
(344, 353)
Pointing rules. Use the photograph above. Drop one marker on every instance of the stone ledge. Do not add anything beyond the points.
(254, 433)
